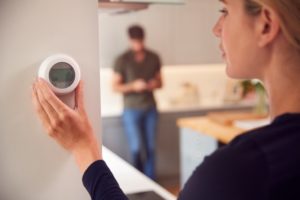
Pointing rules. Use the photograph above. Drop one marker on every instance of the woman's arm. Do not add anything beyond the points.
(101, 184)
(72, 130)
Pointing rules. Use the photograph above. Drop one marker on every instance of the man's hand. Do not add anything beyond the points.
(155, 83)
(139, 85)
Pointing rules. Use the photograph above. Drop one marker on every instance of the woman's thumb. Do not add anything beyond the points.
(79, 97)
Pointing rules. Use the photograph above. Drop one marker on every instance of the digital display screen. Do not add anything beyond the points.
(62, 75)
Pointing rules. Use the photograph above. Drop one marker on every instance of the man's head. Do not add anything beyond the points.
(136, 35)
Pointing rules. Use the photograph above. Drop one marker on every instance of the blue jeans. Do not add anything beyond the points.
(140, 128)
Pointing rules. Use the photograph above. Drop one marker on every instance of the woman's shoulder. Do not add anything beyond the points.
(275, 145)
(238, 171)
(282, 132)
(247, 167)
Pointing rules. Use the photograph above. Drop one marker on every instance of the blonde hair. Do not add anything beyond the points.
(289, 13)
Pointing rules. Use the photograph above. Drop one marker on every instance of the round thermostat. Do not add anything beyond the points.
(62, 73)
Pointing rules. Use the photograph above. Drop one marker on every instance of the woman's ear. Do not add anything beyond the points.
(268, 27)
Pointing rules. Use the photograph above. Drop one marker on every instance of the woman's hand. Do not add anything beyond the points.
(70, 128)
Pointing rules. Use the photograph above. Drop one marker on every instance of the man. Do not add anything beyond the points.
(136, 76)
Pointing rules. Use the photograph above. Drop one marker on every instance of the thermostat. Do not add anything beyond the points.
(62, 73)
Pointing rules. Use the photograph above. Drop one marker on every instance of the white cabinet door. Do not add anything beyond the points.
(194, 147)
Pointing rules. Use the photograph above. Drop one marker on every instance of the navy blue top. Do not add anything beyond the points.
(263, 164)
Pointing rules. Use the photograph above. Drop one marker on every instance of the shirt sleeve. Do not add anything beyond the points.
(119, 66)
(229, 174)
(101, 184)
(159, 64)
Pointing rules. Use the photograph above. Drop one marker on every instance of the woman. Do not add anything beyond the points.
(259, 39)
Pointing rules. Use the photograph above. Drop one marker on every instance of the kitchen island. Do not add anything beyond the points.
(201, 136)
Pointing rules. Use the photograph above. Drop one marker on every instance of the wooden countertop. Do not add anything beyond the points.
(206, 126)
(218, 125)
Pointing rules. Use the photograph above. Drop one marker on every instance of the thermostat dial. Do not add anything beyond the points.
(62, 73)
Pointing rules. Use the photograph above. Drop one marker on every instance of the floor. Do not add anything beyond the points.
(171, 184)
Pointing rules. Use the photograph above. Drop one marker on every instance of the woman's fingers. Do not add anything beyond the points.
(79, 98)
(41, 112)
(44, 102)
(51, 98)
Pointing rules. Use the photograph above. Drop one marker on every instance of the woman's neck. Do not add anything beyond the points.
(282, 83)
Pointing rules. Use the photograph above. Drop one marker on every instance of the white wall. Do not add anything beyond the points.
(182, 34)
(32, 166)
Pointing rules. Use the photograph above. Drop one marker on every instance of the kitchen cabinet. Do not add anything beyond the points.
(194, 147)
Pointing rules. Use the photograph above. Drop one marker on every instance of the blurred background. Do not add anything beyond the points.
(195, 84)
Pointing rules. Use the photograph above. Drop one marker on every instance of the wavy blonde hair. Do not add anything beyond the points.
(289, 13)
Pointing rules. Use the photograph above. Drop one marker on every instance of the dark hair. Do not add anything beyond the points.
(136, 32)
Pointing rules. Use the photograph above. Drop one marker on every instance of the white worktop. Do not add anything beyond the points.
(210, 81)
(130, 179)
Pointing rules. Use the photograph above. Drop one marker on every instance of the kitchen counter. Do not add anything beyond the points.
(208, 127)
(201, 136)
(219, 125)
(116, 111)
(130, 179)
(209, 82)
